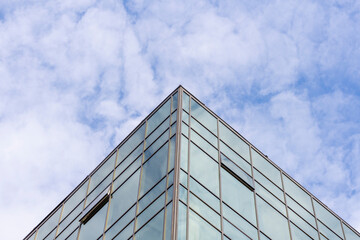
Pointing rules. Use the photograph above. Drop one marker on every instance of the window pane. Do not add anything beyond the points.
(154, 135)
(184, 129)
(234, 169)
(156, 145)
(169, 193)
(233, 233)
(152, 195)
(185, 117)
(150, 211)
(270, 198)
(74, 200)
(184, 153)
(234, 142)
(99, 189)
(185, 102)
(213, 152)
(153, 229)
(183, 194)
(123, 198)
(131, 143)
(326, 232)
(203, 116)
(168, 219)
(95, 226)
(129, 159)
(172, 153)
(174, 101)
(120, 224)
(125, 174)
(349, 234)
(203, 210)
(181, 232)
(183, 178)
(204, 132)
(267, 217)
(268, 185)
(154, 169)
(204, 169)
(237, 196)
(328, 219)
(102, 172)
(49, 225)
(300, 211)
(173, 117)
(66, 221)
(205, 195)
(235, 158)
(239, 222)
(201, 230)
(306, 227)
(158, 117)
(297, 193)
(126, 233)
(266, 168)
(297, 234)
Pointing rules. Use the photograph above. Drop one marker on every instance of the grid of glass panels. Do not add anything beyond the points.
(140, 176)
(224, 187)
(229, 190)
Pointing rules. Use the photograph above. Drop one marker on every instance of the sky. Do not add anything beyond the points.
(77, 76)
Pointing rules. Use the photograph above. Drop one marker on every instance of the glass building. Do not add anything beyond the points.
(184, 174)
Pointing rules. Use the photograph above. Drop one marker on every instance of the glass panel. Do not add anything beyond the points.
(266, 168)
(123, 198)
(297, 234)
(99, 189)
(270, 198)
(153, 229)
(69, 229)
(158, 117)
(66, 221)
(239, 222)
(203, 210)
(49, 225)
(185, 101)
(213, 152)
(349, 234)
(154, 169)
(183, 194)
(149, 212)
(297, 193)
(328, 219)
(74, 200)
(184, 153)
(73, 235)
(228, 152)
(267, 217)
(168, 219)
(264, 237)
(170, 179)
(173, 129)
(183, 178)
(233, 232)
(170, 194)
(154, 135)
(172, 153)
(268, 185)
(156, 145)
(95, 226)
(201, 230)
(51, 235)
(231, 167)
(302, 224)
(300, 211)
(184, 129)
(121, 223)
(181, 232)
(152, 195)
(204, 169)
(204, 132)
(234, 142)
(131, 143)
(174, 101)
(125, 174)
(185, 117)
(203, 116)
(126, 233)
(205, 195)
(102, 172)
(129, 159)
(237, 196)
(326, 232)
(173, 117)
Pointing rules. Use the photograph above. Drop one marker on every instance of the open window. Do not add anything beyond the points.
(95, 206)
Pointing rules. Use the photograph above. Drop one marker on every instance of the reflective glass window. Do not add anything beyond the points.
(185, 117)
(123, 198)
(156, 133)
(98, 189)
(158, 117)
(229, 153)
(306, 227)
(233, 232)
(170, 194)
(168, 218)
(184, 129)
(172, 153)
(174, 101)
(150, 211)
(268, 185)
(156, 145)
(183, 178)
(276, 203)
(198, 140)
(349, 234)
(181, 232)
(131, 143)
(182, 194)
(297, 234)
(267, 217)
(95, 226)
(72, 236)
(328, 218)
(129, 160)
(184, 153)
(173, 117)
(67, 230)
(297, 193)
(126, 233)
(239, 222)
(199, 229)
(68, 219)
(127, 173)
(266, 168)
(203, 168)
(211, 138)
(152, 195)
(49, 225)
(153, 229)
(205, 195)
(203, 116)
(237, 172)
(236, 143)
(300, 211)
(185, 102)
(120, 224)
(102, 172)
(75, 199)
(237, 196)
(327, 232)
(203, 210)
(154, 169)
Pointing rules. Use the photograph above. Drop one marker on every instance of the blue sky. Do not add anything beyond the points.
(77, 76)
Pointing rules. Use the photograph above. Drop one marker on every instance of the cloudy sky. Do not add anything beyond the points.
(77, 76)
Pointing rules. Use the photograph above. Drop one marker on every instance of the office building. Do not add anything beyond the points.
(184, 174)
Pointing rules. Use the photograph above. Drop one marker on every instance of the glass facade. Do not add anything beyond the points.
(184, 174)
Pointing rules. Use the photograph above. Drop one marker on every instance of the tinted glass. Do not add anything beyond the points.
(95, 226)
(328, 218)
(153, 229)
(211, 138)
(185, 102)
(297, 193)
(203, 116)
(158, 117)
(131, 143)
(49, 225)
(199, 229)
